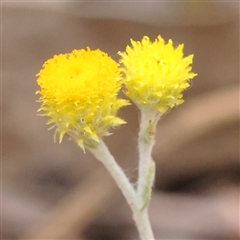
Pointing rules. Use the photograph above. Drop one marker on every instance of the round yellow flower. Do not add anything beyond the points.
(79, 95)
(156, 73)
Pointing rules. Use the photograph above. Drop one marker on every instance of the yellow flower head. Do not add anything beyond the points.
(156, 73)
(79, 95)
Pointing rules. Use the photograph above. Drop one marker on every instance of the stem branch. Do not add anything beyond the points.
(140, 216)
(102, 153)
(146, 142)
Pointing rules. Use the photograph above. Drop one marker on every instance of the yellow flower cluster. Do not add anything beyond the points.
(79, 90)
(156, 73)
(79, 95)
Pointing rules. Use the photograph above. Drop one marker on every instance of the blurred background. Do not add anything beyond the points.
(52, 191)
